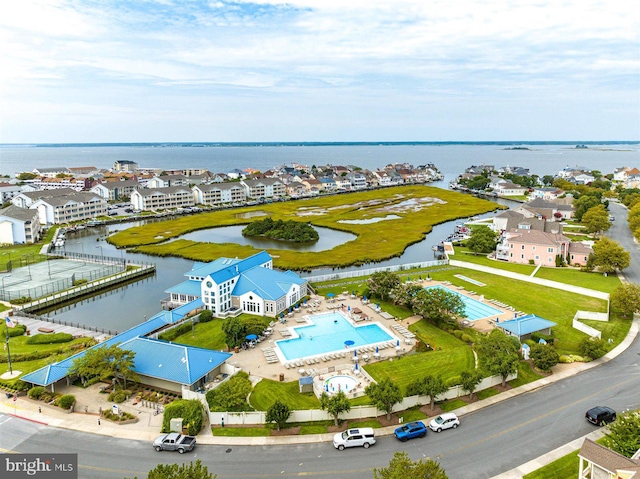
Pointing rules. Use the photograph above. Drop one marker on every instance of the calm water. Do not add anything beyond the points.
(130, 304)
(328, 334)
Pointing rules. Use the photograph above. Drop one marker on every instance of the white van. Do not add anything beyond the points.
(363, 436)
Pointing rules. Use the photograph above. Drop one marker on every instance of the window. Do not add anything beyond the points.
(550, 250)
(522, 247)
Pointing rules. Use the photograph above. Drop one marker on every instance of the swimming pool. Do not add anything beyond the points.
(475, 309)
(327, 334)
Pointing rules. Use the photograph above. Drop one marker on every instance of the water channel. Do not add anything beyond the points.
(128, 305)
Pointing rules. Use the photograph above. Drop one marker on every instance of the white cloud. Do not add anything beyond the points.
(412, 50)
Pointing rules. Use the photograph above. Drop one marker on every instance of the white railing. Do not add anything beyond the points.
(367, 272)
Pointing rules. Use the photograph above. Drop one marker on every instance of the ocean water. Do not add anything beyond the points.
(450, 158)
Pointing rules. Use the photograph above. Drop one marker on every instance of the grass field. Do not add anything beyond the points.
(418, 209)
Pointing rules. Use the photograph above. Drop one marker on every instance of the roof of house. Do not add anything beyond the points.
(536, 237)
(17, 213)
(525, 325)
(606, 458)
(580, 248)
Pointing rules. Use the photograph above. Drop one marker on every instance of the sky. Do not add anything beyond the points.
(82, 71)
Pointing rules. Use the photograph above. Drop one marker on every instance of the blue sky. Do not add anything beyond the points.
(318, 70)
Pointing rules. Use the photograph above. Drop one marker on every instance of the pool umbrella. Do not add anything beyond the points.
(356, 368)
(348, 308)
(377, 354)
(251, 337)
(349, 342)
(397, 344)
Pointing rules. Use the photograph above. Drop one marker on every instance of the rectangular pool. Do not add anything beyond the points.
(474, 309)
(327, 334)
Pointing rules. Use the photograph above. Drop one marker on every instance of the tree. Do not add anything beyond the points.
(439, 305)
(482, 240)
(626, 298)
(547, 180)
(609, 255)
(593, 348)
(234, 332)
(382, 283)
(278, 413)
(596, 220)
(583, 204)
(497, 354)
(404, 294)
(469, 380)
(401, 467)
(335, 405)
(432, 386)
(385, 394)
(105, 362)
(231, 395)
(544, 356)
(182, 471)
(624, 434)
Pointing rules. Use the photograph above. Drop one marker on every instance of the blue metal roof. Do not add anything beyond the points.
(191, 287)
(57, 371)
(526, 325)
(267, 283)
(173, 362)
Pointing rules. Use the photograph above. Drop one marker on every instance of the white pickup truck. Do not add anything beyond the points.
(174, 442)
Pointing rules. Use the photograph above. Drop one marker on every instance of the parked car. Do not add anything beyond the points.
(444, 421)
(363, 436)
(612, 218)
(600, 415)
(410, 430)
(174, 442)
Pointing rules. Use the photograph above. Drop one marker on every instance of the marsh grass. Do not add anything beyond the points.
(374, 242)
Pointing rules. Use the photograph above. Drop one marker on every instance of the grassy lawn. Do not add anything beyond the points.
(580, 278)
(373, 241)
(205, 335)
(241, 431)
(412, 415)
(525, 375)
(267, 391)
(564, 468)
(464, 254)
(452, 404)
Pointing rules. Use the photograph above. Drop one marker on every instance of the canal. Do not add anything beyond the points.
(128, 305)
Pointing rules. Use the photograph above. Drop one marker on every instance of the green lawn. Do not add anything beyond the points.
(576, 277)
(205, 335)
(564, 468)
(267, 391)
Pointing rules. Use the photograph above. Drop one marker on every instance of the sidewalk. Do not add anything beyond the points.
(148, 426)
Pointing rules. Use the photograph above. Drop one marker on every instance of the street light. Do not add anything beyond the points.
(101, 252)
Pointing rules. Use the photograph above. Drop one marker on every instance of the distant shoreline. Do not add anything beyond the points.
(196, 144)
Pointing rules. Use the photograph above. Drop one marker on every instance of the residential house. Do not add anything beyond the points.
(558, 210)
(166, 181)
(263, 188)
(506, 188)
(327, 184)
(599, 462)
(535, 247)
(546, 193)
(47, 183)
(312, 185)
(19, 225)
(296, 190)
(383, 178)
(116, 190)
(216, 194)
(8, 191)
(154, 199)
(51, 172)
(229, 287)
(126, 166)
(579, 253)
(358, 181)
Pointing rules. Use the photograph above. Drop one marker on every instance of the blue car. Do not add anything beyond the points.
(410, 430)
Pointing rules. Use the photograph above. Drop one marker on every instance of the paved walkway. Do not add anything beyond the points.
(148, 425)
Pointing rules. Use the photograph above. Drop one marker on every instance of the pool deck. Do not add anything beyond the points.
(254, 360)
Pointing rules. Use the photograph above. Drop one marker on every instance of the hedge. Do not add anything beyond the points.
(49, 338)
(17, 330)
(65, 401)
(175, 332)
(36, 392)
(190, 410)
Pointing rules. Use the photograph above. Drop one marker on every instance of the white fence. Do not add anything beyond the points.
(576, 324)
(370, 271)
(357, 412)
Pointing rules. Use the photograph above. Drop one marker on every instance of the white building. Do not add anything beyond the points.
(162, 198)
(219, 194)
(19, 226)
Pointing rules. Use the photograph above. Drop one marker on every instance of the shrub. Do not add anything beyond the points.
(593, 348)
(544, 356)
(22, 300)
(118, 396)
(49, 338)
(458, 333)
(205, 316)
(78, 282)
(65, 401)
(571, 358)
(191, 412)
(36, 392)
(17, 330)
(466, 338)
(537, 336)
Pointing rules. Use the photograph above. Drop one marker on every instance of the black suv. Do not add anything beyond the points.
(600, 415)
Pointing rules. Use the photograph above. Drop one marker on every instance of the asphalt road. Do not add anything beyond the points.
(488, 442)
